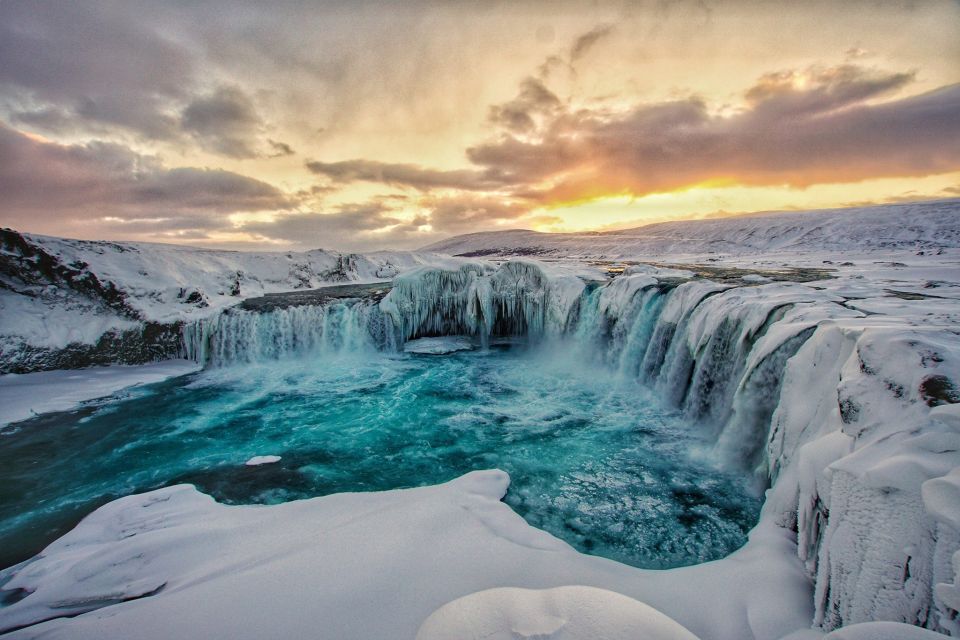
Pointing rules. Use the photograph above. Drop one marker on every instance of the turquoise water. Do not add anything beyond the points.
(594, 459)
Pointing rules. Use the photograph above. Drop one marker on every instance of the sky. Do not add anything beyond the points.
(370, 125)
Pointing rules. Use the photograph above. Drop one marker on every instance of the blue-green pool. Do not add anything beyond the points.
(594, 459)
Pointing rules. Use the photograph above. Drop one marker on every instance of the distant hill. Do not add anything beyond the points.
(917, 225)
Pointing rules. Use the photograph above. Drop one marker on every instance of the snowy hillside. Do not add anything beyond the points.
(920, 226)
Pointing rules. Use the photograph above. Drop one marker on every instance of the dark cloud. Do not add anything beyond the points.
(821, 89)
(224, 122)
(103, 68)
(351, 227)
(280, 149)
(406, 175)
(534, 102)
(95, 66)
(458, 214)
(587, 41)
(43, 184)
(375, 225)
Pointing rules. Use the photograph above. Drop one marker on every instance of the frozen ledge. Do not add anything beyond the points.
(24, 396)
(173, 563)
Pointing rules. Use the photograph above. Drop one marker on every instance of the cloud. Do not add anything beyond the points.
(587, 41)
(55, 58)
(375, 224)
(826, 129)
(796, 128)
(280, 149)
(224, 121)
(406, 175)
(821, 89)
(43, 184)
(356, 227)
(534, 102)
(458, 214)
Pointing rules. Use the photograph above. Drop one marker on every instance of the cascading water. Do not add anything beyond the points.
(690, 341)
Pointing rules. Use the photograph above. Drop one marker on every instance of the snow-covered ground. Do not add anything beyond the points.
(26, 395)
(841, 391)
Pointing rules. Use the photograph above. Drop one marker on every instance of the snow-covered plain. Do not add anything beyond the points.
(839, 391)
(930, 225)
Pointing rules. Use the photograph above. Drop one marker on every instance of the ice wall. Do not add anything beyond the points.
(849, 415)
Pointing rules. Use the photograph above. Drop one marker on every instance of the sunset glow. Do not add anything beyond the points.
(394, 125)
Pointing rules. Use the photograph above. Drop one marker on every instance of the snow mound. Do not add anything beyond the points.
(561, 613)
(173, 563)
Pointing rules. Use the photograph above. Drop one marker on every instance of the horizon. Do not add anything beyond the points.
(714, 218)
(381, 125)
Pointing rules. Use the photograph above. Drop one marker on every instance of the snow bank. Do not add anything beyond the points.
(24, 396)
(173, 563)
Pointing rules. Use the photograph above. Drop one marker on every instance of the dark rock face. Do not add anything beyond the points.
(27, 269)
(149, 343)
(24, 265)
(374, 292)
(938, 389)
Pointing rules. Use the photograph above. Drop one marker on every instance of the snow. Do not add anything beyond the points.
(561, 613)
(920, 225)
(174, 563)
(439, 346)
(256, 461)
(24, 396)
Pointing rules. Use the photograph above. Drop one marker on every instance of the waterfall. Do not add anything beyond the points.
(692, 342)
(723, 354)
(239, 335)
